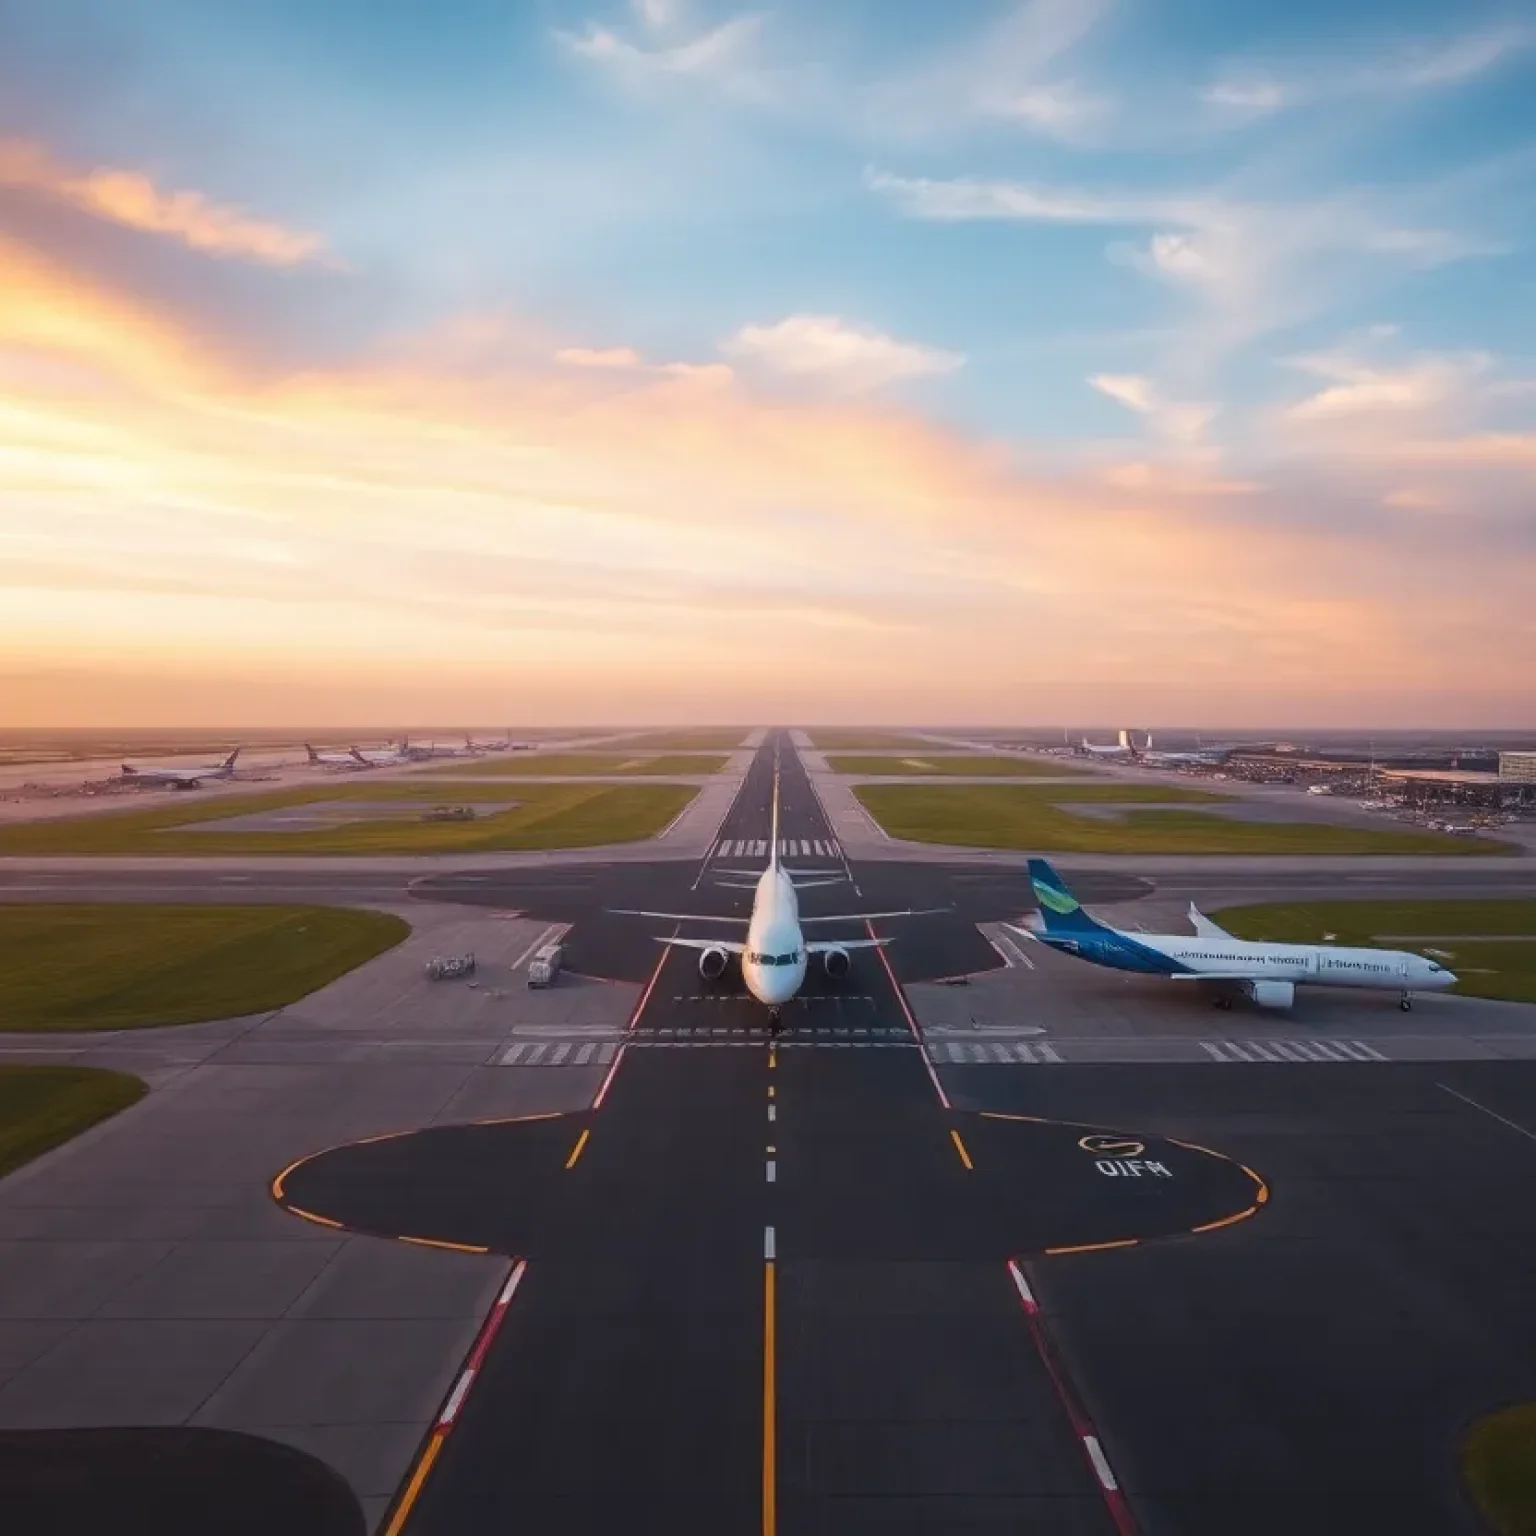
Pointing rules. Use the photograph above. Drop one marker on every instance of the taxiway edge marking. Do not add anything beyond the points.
(453, 1404)
(917, 1034)
(1492, 1114)
(1082, 1426)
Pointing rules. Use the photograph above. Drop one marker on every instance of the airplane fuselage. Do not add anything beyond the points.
(773, 963)
(1163, 954)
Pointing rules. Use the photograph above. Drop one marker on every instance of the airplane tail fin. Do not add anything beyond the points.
(229, 762)
(1125, 738)
(358, 755)
(1059, 909)
(314, 756)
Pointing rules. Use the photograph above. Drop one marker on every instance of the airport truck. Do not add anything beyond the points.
(546, 965)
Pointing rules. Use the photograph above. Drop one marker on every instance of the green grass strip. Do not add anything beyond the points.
(1498, 1463)
(133, 965)
(43, 1107)
(546, 816)
(1037, 818)
(578, 765)
(916, 764)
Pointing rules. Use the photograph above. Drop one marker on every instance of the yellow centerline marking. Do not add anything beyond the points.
(1226, 1221)
(413, 1488)
(770, 1408)
(324, 1221)
(437, 1242)
(1123, 1242)
(581, 1142)
(965, 1157)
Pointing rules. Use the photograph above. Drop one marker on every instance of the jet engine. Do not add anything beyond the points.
(712, 963)
(1272, 994)
(835, 963)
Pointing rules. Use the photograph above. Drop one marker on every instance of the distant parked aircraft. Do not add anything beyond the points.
(180, 778)
(386, 757)
(1124, 749)
(348, 760)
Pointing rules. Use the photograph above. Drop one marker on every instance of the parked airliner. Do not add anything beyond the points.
(1123, 748)
(348, 760)
(1268, 973)
(776, 952)
(180, 778)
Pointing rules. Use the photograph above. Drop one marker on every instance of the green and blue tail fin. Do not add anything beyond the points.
(1059, 908)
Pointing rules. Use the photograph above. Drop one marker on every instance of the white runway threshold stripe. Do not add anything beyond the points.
(789, 848)
(1100, 1463)
(994, 1053)
(1290, 1050)
(558, 1053)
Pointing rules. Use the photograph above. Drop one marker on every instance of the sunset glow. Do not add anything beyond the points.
(662, 362)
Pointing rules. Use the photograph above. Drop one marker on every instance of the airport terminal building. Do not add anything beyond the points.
(1513, 785)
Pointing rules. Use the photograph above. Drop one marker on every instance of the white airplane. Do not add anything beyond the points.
(776, 952)
(1198, 757)
(385, 757)
(1124, 748)
(180, 778)
(348, 760)
(1268, 973)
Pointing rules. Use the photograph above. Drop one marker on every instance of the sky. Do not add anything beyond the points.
(1116, 361)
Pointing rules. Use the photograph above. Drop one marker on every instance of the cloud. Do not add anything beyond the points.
(1252, 265)
(382, 517)
(1131, 391)
(658, 14)
(1252, 91)
(599, 357)
(830, 350)
(133, 201)
(725, 55)
(1360, 387)
(1007, 73)
(1181, 422)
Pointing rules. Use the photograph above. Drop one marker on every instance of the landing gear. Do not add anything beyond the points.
(1405, 1002)
(774, 1024)
(1225, 1004)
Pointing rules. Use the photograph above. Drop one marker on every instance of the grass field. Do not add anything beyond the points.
(547, 816)
(579, 764)
(132, 965)
(1037, 818)
(723, 738)
(914, 762)
(1498, 961)
(835, 739)
(40, 1107)
(1498, 1463)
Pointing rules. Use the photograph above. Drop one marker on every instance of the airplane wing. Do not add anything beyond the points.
(821, 946)
(730, 946)
(683, 917)
(869, 917)
(1204, 927)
